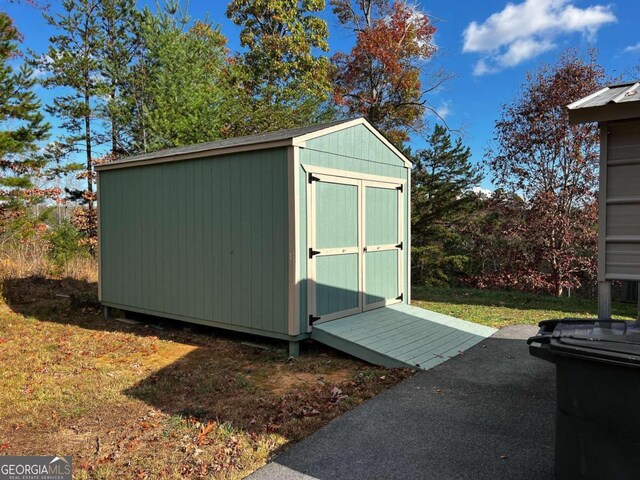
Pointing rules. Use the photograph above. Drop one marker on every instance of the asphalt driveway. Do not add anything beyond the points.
(486, 414)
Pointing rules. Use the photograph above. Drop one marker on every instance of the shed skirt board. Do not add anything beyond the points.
(354, 232)
(401, 335)
(209, 323)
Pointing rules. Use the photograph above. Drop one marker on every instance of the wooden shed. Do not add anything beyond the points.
(616, 108)
(277, 235)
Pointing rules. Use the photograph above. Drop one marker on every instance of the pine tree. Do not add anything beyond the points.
(442, 199)
(73, 64)
(119, 21)
(285, 83)
(178, 86)
(22, 126)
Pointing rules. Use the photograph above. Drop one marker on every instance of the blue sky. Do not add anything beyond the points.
(489, 45)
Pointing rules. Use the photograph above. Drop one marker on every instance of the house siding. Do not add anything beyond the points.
(622, 223)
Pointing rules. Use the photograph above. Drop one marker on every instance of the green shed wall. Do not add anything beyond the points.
(353, 149)
(203, 240)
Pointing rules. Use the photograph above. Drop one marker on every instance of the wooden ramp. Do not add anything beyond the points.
(401, 336)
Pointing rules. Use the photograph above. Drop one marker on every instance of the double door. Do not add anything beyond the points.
(355, 245)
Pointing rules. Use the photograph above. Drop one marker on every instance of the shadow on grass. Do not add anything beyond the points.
(222, 378)
(75, 302)
(516, 300)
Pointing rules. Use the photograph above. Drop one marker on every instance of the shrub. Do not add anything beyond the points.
(65, 244)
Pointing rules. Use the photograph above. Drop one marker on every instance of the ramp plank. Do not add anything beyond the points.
(401, 336)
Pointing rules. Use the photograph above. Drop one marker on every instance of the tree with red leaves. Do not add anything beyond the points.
(546, 241)
(382, 77)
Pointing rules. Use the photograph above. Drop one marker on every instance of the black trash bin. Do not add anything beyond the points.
(598, 396)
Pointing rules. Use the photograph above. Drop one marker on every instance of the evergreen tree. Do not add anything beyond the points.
(73, 63)
(119, 21)
(22, 127)
(442, 200)
(285, 83)
(178, 88)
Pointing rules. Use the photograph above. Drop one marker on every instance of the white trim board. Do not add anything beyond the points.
(293, 239)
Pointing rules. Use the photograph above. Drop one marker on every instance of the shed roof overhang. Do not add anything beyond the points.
(614, 102)
(281, 138)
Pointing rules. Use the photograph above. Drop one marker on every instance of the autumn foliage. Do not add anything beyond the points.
(513, 250)
(540, 233)
(381, 77)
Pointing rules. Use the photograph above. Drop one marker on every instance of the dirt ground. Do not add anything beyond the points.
(158, 399)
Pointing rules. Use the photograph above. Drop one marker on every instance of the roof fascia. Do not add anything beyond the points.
(212, 152)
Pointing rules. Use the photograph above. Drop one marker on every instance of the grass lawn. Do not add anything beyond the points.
(170, 400)
(499, 308)
(157, 400)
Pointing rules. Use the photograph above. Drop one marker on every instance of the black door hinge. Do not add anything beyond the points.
(400, 297)
(400, 188)
(313, 252)
(312, 319)
(312, 178)
(400, 245)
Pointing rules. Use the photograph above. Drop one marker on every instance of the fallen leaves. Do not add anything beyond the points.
(127, 404)
(337, 395)
(204, 431)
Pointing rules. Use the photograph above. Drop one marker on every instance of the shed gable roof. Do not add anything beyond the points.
(613, 102)
(279, 138)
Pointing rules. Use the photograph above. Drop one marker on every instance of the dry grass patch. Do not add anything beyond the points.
(157, 400)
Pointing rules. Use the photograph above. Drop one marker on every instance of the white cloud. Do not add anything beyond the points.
(525, 30)
(444, 110)
(632, 48)
(523, 49)
(482, 191)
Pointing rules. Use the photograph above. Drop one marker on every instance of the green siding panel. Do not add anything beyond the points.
(204, 239)
(381, 276)
(381, 217)
(356, 148)
(336, 283)
(336, 215)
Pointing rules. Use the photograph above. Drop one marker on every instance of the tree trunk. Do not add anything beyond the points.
(87, 141)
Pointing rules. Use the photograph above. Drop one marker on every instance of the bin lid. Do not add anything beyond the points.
(610, 341)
